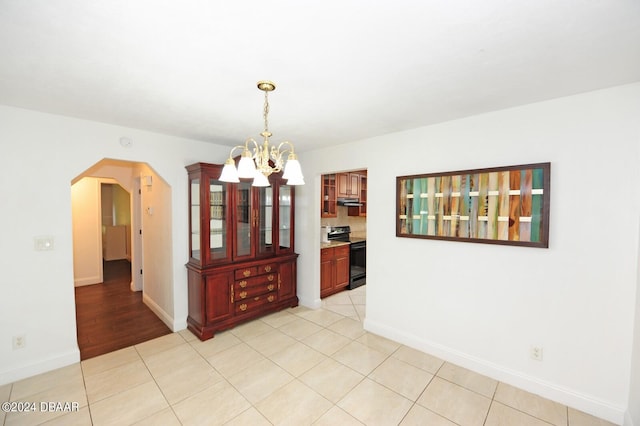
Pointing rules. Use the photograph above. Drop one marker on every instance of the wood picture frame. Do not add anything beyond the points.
(499, 205)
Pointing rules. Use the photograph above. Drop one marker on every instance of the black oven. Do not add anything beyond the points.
(358, 264)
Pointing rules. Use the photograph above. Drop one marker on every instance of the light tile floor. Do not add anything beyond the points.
(295, 367)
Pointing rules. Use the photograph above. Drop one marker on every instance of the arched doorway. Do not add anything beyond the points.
(121, 216)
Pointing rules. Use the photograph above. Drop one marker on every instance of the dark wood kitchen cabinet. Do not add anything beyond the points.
(329, 196)
(334, 269)
(242, 263)
(360, 210)
(348, 185)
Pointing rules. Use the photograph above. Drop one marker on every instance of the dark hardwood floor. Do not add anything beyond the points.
(110, 316)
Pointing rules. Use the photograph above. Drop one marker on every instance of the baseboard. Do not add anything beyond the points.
(164, 317)
(87, 281)
(309, 303)
(43, 366)
(586, 403)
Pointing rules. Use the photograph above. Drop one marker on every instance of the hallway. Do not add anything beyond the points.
(110, 316)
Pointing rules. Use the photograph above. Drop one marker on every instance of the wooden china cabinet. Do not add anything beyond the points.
(242, 263)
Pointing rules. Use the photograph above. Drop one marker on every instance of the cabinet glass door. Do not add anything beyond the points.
(285, 225)
(218, 248)
(329, 196)
(265, 221)
(244, 219)
(194, 234)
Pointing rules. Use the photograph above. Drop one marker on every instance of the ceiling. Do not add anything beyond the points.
(344, 69)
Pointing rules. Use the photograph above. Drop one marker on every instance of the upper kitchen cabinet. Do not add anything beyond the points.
(360, 210)
(349, 185)
(329, 194)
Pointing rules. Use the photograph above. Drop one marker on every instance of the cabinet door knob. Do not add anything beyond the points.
(270, 277)
(270, 298)
(270, 287)
(242, 283)
(246, 272)
(267, 268)
(243, 294)
(243, 307)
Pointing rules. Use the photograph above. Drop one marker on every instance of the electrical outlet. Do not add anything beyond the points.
(536, 353)
(19, 341)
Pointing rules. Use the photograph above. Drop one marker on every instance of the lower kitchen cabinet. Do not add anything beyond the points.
(334, 269)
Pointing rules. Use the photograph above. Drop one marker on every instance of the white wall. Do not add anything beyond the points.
(480, 305)
(158, 269)
(87, 247)
(633, 416)
(46, 151)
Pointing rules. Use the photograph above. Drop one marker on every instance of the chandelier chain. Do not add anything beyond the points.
(266, 111)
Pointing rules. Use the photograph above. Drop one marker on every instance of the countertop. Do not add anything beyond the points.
(341, 243)
(334, 244)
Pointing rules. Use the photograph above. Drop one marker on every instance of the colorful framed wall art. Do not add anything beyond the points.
(500, 205)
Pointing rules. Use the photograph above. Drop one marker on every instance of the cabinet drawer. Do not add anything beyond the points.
(267, 268)
(327, 253)
(246, 272)
(251, 292)
(255, 302)
(253, 271)
(342, 251)
(256, 281)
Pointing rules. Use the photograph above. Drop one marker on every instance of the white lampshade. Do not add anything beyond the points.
(293, 171)
(292, 181)
(260, 180)
(246, 166)
(229, 172)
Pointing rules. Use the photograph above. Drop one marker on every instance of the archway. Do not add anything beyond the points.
(108, 235)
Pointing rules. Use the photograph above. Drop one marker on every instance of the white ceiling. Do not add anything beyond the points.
(344, 69)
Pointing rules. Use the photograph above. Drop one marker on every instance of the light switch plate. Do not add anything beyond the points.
(43, 243)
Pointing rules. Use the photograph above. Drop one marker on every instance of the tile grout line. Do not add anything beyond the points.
(156, 381)
(323, 327)
(86, 392)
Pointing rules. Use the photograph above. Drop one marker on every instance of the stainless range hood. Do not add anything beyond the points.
(349, 202)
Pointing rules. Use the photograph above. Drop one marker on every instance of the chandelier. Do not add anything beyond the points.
(254, 160)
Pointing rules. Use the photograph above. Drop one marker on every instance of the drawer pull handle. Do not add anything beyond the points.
(270, 277)
(243, 307)
(243, 294)
(246, 272)
(271, 298)
(242, 283)
(270, 287)
(267, 268)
